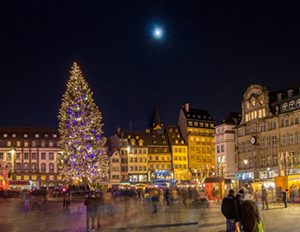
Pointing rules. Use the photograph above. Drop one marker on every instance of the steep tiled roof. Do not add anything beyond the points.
(174, 135)
(201, 115)
(229, 118)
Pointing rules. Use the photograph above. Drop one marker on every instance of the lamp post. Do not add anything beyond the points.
(246, 162)
(195, 170)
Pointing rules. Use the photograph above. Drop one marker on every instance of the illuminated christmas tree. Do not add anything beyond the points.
(83, 156)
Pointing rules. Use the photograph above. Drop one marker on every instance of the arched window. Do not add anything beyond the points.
(292, 105)
(284, 107)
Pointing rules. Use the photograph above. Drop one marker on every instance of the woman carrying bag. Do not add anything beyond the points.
(250, 215)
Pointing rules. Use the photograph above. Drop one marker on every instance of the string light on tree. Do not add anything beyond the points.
(83, 155)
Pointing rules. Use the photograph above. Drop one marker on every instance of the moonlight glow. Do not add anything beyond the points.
(158, 33)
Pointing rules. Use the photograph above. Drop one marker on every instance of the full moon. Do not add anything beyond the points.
(157, 32)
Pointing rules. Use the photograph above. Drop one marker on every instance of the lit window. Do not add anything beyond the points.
(50, 143)
(18, 143)
(33, 143)
(46, 136)
(59, 178)
(25, 135)
(26, 177)
(54, 135)
(43, 177)
(51, 177)
(33, 177)
(14, 135)
(9, 143)
(5, 135)
(37, 135)
(25, 143)
(19, 177)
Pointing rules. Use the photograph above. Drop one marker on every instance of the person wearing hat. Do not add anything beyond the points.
(250, 214)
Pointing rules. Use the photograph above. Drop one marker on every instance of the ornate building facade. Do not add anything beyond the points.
(268, 136)
(32, 155)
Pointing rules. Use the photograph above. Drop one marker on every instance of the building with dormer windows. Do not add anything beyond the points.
(179, 154)
(268, 136)
(197, 130)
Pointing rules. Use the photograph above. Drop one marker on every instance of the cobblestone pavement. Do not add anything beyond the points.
(14, 217)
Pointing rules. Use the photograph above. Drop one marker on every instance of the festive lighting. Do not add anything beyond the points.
(83, 155)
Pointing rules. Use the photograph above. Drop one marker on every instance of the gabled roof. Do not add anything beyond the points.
(199, 114)
(113, 143)
(229, 119)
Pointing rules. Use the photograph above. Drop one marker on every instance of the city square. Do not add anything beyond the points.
(54, 218)
(153, 115)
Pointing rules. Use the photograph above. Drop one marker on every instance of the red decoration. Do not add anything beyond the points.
(209, 187)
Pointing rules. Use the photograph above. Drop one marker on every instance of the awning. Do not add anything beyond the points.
(214, 180)
(19, 182)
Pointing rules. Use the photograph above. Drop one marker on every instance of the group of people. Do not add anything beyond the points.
(240, 211)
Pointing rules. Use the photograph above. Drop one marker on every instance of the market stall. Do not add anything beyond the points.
(214, 188)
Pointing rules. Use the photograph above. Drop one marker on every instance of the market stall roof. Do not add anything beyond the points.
(19, 182)
(214, 180)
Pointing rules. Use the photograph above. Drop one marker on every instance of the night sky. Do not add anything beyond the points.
(210, 53)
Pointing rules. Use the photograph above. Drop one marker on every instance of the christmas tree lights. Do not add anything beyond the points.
(83, 155)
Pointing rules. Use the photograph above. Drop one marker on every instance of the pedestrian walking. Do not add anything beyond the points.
(256, 196)
(264, 196)
(284, 197)
(230, 211)
(292, 194)
(39, 201)
(250, 215)
(90, 203)
(161, 196)
(168, 196)
(99, 208)
(154, 197)
(127, 199)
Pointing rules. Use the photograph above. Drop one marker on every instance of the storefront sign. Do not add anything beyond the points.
(161, 175)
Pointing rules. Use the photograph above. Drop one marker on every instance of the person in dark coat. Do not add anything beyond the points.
(250, 214)
(284, 197)
(91, 206)
(230, 211)
(240, 199)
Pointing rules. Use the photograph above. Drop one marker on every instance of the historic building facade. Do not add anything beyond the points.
(32, 155)
(268, 136)
(225, 147)
(179, 154)
(197, 129)
(113, 152)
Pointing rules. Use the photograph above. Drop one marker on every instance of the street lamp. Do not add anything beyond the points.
(246, 162)
(195, 170)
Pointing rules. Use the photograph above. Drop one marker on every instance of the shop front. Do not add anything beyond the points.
(286, 182)
(138, 178)
(19, 184)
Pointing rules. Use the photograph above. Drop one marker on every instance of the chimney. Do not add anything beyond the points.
(187, 107)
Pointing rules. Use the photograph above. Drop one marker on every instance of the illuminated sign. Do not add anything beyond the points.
(161, 175)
